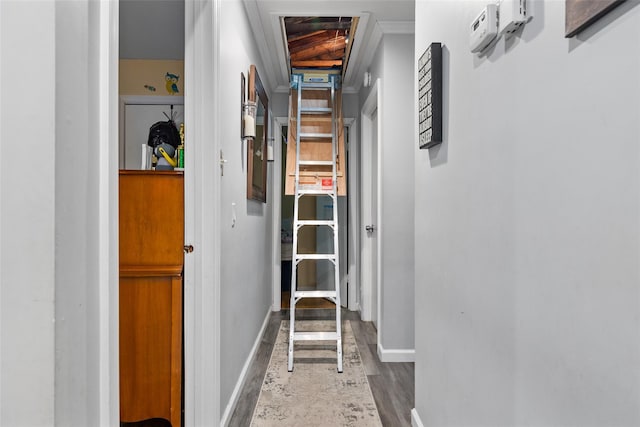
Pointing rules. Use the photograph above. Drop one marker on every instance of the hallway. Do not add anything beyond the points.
(392, 384)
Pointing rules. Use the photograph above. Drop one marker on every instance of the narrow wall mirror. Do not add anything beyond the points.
(257, 147)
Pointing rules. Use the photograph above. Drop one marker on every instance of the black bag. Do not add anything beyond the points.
(164, 133)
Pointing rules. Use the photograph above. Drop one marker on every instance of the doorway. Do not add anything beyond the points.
(370, 252)
(155, 203)
(347, 213)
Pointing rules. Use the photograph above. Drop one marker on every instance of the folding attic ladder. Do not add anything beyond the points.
(315, 175)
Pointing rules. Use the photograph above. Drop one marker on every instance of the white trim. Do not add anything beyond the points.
(108, 269)
(415, 419)
(1, 147)
(371, 104)
(379, 217)
(397, 27)
(151, 100)
(260, 37)
(363, 60)
(202, 290)
(353, 237)
(395, 355)
(277, 25)
(276, 191)
(226, 417)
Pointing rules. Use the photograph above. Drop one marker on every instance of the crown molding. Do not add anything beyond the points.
(397, 27)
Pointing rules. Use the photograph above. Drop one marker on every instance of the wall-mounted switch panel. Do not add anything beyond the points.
(513, 15)
(484, 28)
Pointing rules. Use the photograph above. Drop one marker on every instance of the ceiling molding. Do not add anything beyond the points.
(397, 27)
(366, 52)
(260, 36)
(282, 51)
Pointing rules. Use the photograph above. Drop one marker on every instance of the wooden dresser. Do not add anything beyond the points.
(151, 262)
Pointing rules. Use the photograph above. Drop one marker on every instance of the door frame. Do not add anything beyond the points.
(276, 226)
(353, 273)
(202, 214)
(353, 237)
(372, 104)
(125, 100)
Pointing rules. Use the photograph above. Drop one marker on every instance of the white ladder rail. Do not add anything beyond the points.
(333, 295)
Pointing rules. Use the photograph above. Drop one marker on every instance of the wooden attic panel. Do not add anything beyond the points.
(315, 150)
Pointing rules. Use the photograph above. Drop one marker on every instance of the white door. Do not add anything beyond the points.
(371, 227)
(137, 119)
(369, 208)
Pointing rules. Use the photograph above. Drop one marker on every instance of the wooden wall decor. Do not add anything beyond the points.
(430, 96)
(579, 14)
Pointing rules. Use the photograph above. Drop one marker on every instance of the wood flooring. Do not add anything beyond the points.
(392, 384)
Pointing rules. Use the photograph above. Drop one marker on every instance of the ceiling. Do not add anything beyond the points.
(374, 17)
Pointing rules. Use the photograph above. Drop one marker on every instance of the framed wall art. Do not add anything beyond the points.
(579, 14)
(257, 145)
(430, 96)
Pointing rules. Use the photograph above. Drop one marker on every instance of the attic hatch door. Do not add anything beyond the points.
(319, 43)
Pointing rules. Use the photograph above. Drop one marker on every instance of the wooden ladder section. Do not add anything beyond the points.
(318, 150)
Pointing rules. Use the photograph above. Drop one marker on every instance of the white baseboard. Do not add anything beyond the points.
(226, 417)
(415, 419)
(396, 355)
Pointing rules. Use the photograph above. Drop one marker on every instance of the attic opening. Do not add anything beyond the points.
(317, 43)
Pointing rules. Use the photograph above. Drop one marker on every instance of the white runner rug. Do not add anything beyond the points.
(315, 394)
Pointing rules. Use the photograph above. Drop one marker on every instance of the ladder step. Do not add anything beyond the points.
(315, 162)
(317, 85)
(315, 110)
(327, 222)
(315, 135)
(315, 192)
(315, 294)
(300, 257)
(315, 336)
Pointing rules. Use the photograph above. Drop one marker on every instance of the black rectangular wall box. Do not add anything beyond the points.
(430, 96)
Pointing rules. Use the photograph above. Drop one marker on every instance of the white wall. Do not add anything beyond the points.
(393, 64)
(396, 232)
(27, 180)
(528, 225)
(246, 247)
(53, 323)
(78, 305)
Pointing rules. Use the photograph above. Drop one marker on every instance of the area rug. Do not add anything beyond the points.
(315, 394)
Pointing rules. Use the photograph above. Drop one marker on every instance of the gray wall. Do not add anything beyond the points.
(27, 212)
(527, 225)
(393, 64)
(246, 247)
(152, 29)
(49, 328)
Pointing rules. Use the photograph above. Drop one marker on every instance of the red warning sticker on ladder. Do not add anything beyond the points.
(327, 183)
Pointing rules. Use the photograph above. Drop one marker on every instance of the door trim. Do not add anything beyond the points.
(372, 104)
(108, 268)
(202, 214)
(276, 226)
(353, 271)
(353, 243)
